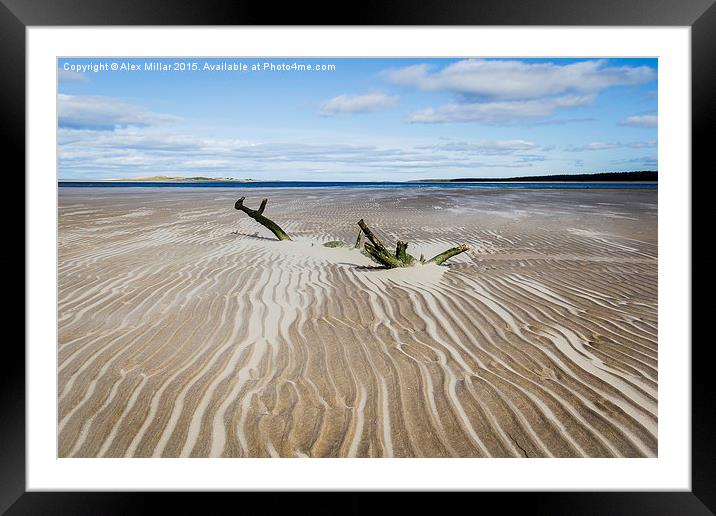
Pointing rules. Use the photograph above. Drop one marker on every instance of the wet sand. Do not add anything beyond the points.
(186, 329)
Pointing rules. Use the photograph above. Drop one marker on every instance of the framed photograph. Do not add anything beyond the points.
(447, 250)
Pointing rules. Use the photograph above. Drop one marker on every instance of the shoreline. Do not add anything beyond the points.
(566, 185)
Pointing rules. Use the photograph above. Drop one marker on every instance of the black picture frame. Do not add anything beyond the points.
(17, 15)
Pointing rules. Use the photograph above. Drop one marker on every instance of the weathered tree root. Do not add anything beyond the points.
(445, 255)
(257, 215)
(375, 249)
(380, 254)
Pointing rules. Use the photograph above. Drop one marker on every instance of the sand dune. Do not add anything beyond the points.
(185, 329)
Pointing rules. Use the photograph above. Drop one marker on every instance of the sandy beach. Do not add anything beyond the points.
(187, 330)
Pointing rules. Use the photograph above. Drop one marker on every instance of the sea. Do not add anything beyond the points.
(348, 184)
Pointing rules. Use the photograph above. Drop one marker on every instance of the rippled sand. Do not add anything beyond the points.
(185, 329)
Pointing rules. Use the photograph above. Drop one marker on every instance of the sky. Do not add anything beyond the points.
(354, 119)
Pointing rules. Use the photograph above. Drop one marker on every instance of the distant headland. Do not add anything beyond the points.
(643, 176)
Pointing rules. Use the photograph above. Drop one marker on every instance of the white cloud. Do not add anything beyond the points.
(597, 146)
(514, 79)
(346, 104)
(641, 121)
(104, 113)
(488, 148)
(498, 91)
(498, 112)
(642, 145)
(136, 152)
(644, 161)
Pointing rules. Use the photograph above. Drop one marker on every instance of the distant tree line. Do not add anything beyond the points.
(642, 175)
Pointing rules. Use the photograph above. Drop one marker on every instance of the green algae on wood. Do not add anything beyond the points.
(380, 254)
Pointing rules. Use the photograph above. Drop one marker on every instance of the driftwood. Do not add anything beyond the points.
(257, 215)
(445, 255)
(374, 248)
(380, 254)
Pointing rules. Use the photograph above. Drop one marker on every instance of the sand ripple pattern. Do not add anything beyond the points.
(186, 331)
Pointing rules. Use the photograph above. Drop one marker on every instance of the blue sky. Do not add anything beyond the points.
(358, 119)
